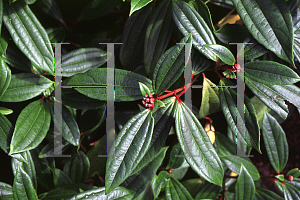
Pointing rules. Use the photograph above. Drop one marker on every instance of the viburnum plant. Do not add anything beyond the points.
(164, 147)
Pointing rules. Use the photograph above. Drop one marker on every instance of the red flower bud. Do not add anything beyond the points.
(147, 100)
(146, 95)
(150, 95)
(290, 178)
(143, 102)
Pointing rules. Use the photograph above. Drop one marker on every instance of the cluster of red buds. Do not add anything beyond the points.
(148, 100)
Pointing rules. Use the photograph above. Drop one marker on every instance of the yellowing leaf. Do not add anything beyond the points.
(210, 99)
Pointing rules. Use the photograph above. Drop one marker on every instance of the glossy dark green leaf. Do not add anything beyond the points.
(269, 97)
(290, 93)
(244, 187)
(23, 187)
(22, 157)
(15, 58)
(176, 157)
(99, 193)
(5, 111)
(126, 84)
(6, 131)
(234, 163)
(50, 8)
(60, 178)
(48, 150)
(176, 191)
(3, 45)
(199, 62)
(91, 120)
(97, 8)
(164, 119)
(210, 102)
(134, 34)
(254, 49)
(286, 193)
(28, 168)
(158, 35)
(197, 148)
(223, 3)
(56, 35)
(69, 127)
(81, 60)
(29, 35)
(77, 169)
(129, 148)
(159, 182)
(5, 77)
(188, 20)
(270, 23)
(221, 52)
(25, 86)
(31, 127)
(294, 172)
(139, 181)
(137, 5)
(194, 185)
(275, 142)
(232, 33)
(264, 194)
(29, 1)
(208, 191)
(144, 89)
(170, 66)
(225, 145)
(270, 73)
(6, 192)
(66, 191)
(249, 132)
(74, 99)
(202, 8)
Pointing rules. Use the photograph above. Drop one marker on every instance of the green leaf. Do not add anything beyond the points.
(25, 86)
(91, 120)
(264, 194)
(23, 188)
(20, 156)
(176, 157)
(244, 187)
(137, 5)
(29, 35)
(144, 89)
(48, 150)
(164, 120)
(66, 191)
(294, 172)
(139, 181)
(189, 21)
(176, 191)
(74, 99)
(204, 12)
(158, 35)
(50, 8)
(254, 49)
(170, 66)
(56, 35)
(3, 44)
(97, 8)
(268, 96)
(134, 34)
(28, 168)
(232, 33)
(225, 145)
(6, 191)
(77, 169)
(275, 142)
(250, 129)
(198, 150)
(6, 131)
(208, 191)
(159, 103)
(210, 98)
(99, 193)
(270, 23)
(31, 127)
(126, 84)
(260, 109)
(234, 164)
(159, 183)
(5, 77)
(221, 52)
(81, 60)
(69, 127)
(284, 190)
(129, 148)
(194, 185)
(270, 73)
(5, 111)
